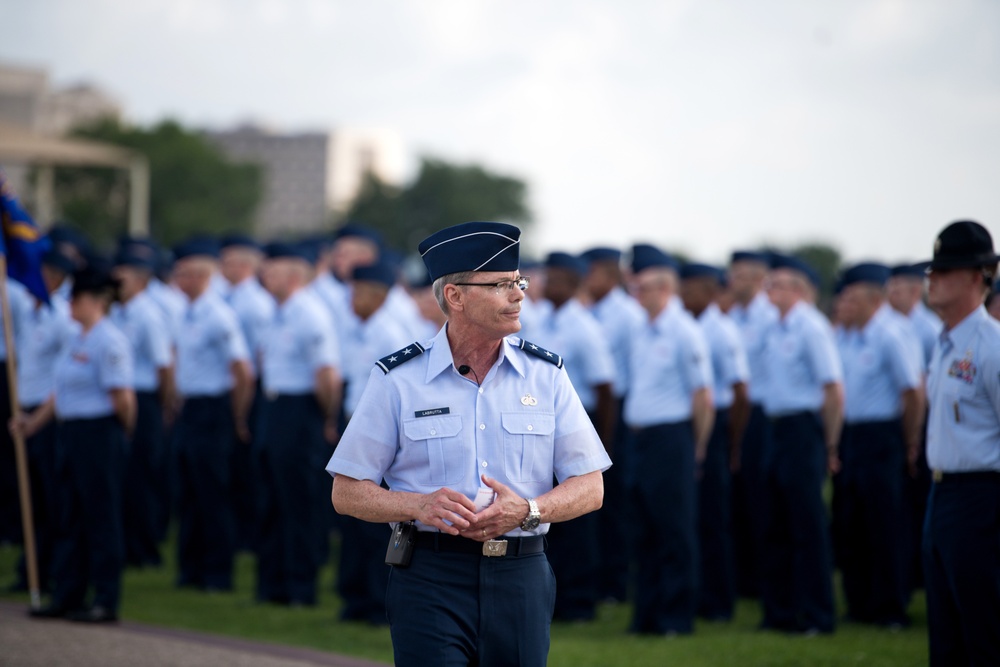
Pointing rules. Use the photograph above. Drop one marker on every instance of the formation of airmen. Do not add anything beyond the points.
(209, 385)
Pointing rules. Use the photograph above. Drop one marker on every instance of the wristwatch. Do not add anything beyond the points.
(534, 516)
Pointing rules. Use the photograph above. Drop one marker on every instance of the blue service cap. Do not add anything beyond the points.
(62, 233)
(354, 230)
(238, 240)
(283, 250)
(750, 256)
(94, 278)
(380, 272)
(918, 270)
(422, 281)
(866, 272)
(645, 256)
(471, 246)
(792, 263)
(134, 256)
(602, 254)
(564, 260)
(196, 246)
(57, 260)
(695, 270)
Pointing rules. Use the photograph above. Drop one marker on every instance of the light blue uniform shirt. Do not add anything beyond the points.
(879, 365)
(404, 310)
(47, 330)
(172, 304)
(753, 322)
(572, 332)
(669, 362)
(336, 297)
(963, 393)
(911, 338)
(618, 314)
(422, 426)
(365, 343)
(801, 358)
(729, 359)
(21, 304)
(209, 342)
(90, 366)
(141, 320)
(928, 327)
(254, 307)
(298, 341)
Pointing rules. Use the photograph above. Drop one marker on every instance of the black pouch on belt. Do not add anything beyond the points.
(401, 542)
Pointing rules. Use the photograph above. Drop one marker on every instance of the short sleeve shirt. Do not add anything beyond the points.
(91, 365)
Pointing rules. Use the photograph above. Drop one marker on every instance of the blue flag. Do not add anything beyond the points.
(22, 242)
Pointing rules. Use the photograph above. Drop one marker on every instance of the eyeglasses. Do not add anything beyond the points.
(504, 286)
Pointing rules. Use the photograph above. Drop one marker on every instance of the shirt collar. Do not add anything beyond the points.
(440, 358)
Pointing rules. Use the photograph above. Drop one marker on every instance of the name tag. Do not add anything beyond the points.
(433, 412)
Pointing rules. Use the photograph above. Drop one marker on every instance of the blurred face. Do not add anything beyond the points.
(350, 252)
(785, 288)
(427, 305)
(697, 294)
(238, 263)
(495, 312)
(52, 277)
(367, 297)
(746, 279)
(192, 275)
(602, 277)
(87, 308)
(857, 303)
(651, 289)
(903, 293)
(131, 281)
(282, 276)
(561, 285)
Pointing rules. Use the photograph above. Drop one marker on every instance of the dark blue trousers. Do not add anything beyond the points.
(612, 533)
(869, 521)
(662, 502)
(141, 503)
(962, 570)
(797, 591)
(748, 514)
(246, 481)
(574, 555)
(453, 609)
(289, 432)
(89, 545)
(362, 574)
(42, 475)
(10, 506)
(915, 493)
(203, 437)
(716, 583)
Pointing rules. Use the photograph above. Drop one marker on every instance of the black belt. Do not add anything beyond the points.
(504, 546)
(941, 477)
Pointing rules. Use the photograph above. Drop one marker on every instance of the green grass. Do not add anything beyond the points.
(149, 597)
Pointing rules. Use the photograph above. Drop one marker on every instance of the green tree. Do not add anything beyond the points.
(193, 188)
(442, 194)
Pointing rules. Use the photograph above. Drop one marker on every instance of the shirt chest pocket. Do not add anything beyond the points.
(438, 441)
(528, 445)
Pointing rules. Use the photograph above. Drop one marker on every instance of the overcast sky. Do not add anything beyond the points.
(699, 125)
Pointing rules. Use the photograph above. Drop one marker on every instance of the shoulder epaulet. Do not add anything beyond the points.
(400, 357)
(541, 353)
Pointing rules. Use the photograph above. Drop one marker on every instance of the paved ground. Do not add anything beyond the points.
(26, 642)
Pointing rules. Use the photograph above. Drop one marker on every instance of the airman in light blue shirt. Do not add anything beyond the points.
(298, 341)
(210, 340)
(90, 366)
(47, 330)
(142, 323)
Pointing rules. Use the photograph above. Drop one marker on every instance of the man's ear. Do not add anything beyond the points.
(454, 297)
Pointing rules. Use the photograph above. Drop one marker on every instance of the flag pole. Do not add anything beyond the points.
(20, 452)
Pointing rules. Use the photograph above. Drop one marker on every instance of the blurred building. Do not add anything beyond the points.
(310, 176)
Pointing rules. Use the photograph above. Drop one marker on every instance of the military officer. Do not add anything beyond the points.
(299, 359)
(905, 293)
(804, 401)
(618, 314)
(753, 313)
(961, 550)
(883, 415)
(669, 405)
(138, 317)
(700, 285)
(468, 433)
(371, 334)
(215, 382)
(93, 400)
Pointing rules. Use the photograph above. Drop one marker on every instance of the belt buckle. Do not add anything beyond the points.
(937, 475)
(495, 548)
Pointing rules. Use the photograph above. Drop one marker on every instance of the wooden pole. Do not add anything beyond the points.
(20, 452)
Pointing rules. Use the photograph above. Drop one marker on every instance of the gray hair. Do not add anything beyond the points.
(450, 279)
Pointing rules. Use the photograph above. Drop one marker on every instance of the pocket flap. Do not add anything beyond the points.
(529, 423)
(425, 428)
